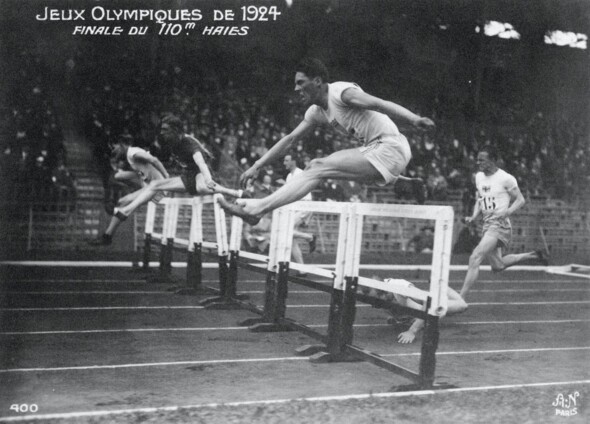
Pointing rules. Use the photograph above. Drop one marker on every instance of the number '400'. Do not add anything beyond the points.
(22, 408)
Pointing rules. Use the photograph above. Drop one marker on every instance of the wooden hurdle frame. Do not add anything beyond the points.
(338, 341)
(195, 246)
(337, 344)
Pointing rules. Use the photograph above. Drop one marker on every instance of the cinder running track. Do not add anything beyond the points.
(102, 339)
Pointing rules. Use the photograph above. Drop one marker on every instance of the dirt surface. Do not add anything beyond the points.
(98, 340)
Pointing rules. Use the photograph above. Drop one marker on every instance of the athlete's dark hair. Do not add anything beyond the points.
(125, 139)
(174, 122)
(313, 68)
(491, 151)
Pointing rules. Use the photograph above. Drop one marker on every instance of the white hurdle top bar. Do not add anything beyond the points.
(350, 235)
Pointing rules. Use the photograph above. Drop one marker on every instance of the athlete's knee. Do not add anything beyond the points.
(156, 185)
(200, 186)
(203, 188)
(314, 163)
(317, 166)
(476, 258)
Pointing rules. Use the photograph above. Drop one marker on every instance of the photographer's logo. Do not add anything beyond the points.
(566, 405)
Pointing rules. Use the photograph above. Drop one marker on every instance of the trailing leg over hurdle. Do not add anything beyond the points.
(337, 344)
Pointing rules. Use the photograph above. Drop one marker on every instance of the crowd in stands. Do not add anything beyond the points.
(33, 157)
(548, 156)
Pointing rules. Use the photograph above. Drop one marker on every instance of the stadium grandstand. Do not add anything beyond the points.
(66, 103)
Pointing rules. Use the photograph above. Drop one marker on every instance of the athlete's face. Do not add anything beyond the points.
(167, 134)
(288, 162)
(307, 89)
(484, 163)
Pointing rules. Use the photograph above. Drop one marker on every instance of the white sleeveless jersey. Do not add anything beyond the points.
(146, 171)
(362, 124)
(493, 192)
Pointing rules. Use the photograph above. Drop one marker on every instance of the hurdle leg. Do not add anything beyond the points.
(275, 303)
(232, 277)
(148, 239)
(194, 273)
(147, 252)
(340, 327)
(194, 267)
(269, 299)
(165, 267)
(167, 246)
(235, 242)
(144, 257)
(428, 355)
(225, 301)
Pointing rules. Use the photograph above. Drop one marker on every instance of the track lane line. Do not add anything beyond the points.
(314, 292)
(88, 414)
(361, 305)
(94, 292)
(195, 329)
(279, 359)
(212, 265)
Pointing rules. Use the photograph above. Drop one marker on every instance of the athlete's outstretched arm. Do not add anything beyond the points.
(358, 98)
(200, 161)
(476, 211)
(149, 158)
(277, 151)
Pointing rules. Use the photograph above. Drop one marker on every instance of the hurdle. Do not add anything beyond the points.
(571, 270)
(194, 245)
(337, 344)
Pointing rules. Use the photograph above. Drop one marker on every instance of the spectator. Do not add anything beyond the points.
(423, 242)
(437, 185)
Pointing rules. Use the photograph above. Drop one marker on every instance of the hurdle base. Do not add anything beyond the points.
(269, 327)
(191, 291)
(210, 300)
(221, 304)
(418, 387)
(326, 357)
(222, 299)
(251, 321)
(241, 296)
(309, 350)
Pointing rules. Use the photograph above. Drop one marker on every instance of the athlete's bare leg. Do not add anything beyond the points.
(123, 201)
(347, 164)
(176, 185)
(214, 188)
(500, 263)
(487, 245)
(173, 184)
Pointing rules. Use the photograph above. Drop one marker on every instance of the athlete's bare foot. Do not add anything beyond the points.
(239, 211)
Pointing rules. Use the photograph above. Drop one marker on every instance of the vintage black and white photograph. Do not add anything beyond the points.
(294, 211)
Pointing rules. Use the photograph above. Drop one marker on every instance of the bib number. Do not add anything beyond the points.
(487, 203)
